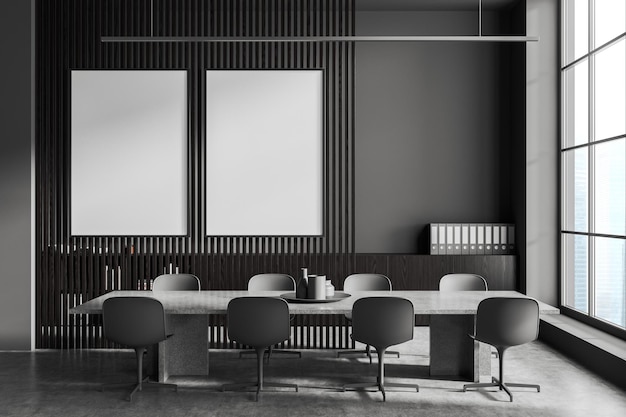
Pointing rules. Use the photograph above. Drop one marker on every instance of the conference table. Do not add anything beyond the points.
(453, 354)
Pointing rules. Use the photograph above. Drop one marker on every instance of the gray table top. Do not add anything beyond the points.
(216, 302)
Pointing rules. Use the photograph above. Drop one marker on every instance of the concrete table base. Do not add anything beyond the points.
(453, 354)
(186, 352)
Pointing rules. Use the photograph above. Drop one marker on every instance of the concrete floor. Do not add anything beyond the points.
(66, 383)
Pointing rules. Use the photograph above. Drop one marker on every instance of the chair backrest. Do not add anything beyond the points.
(367, 282)
(133, 321)
(382, 321)
(272, 282)
(176, 282)
(504, 321)
(258, 321)
(462, 282)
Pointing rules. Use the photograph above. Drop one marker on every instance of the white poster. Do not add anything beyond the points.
(264, 144)
(129, 153)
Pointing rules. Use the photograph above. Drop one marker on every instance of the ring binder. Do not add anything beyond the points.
(472, 238)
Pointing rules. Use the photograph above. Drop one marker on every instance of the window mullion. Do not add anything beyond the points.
(591, 167)
(591, 242)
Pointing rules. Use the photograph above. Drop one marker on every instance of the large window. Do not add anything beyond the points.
(593, 159)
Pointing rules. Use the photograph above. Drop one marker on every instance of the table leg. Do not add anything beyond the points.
(453, 353)
(186, 352)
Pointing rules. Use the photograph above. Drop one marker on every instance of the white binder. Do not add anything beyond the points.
(488, 239)
(473, 247)
(465, 239)
(480, 239)
(434, 234)
(504, 241)
(442, 239)
(449, 239)
(495, 248)
(457, 239)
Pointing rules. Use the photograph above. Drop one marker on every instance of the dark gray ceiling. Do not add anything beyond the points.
(431, 5)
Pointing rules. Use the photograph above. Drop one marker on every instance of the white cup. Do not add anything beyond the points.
(317, 287)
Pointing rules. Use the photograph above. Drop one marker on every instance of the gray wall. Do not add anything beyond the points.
(541, 260)
(15, 174)
(432, 130)
(460, 133)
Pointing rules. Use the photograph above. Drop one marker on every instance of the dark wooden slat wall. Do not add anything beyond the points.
(71, 270)
(74, 269)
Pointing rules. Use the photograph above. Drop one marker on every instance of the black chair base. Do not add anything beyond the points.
(380, 384)
(365, 352)
(269, 353)
(259, 389)
(495, 382)
(368, 386)
(145, 383)
(260, 384)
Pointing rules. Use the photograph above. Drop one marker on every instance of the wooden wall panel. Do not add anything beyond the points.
(74, 268)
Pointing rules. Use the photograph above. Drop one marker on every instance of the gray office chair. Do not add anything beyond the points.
(272, 282)
(137, 322)
(382, 322)
(259, 322)
(365, 282)
(176, 282)
(505, 322)
(462, 282)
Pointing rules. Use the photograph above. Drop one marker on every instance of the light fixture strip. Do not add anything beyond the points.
(225, 39)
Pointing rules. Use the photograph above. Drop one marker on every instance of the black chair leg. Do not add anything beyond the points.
(271, 350)
(366, 351)
(499, 382)
(260, 383)
(380, 379)
(381, 373)
(141, 380)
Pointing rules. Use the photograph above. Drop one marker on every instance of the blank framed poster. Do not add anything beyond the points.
(264, 145)
(128, 152)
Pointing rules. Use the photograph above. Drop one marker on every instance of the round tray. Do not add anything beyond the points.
(291, 297)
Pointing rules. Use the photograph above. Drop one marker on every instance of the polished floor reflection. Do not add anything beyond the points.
(66, 383)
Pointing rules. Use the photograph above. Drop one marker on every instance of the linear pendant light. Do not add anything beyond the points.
(286, 39)
(295, 39)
